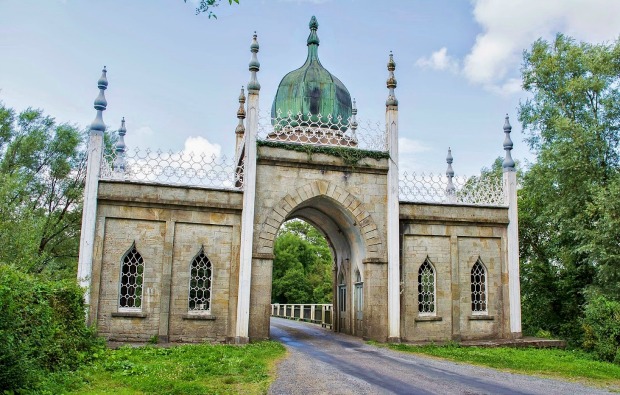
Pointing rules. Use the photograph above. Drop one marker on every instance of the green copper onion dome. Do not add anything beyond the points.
(311, 89)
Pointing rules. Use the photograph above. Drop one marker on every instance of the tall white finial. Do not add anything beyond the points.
(253, 85)
(97, 126)
(354, 120)
(391, 82)
(119, 161)
(450, 189)
(508, 164)
(241, 113)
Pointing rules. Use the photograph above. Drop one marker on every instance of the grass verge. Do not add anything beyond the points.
(187, 369)
(553, 363)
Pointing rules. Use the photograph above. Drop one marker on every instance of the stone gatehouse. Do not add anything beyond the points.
(180, 246)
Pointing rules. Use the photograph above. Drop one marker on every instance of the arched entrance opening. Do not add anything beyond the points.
(302, 265)
(341, 232)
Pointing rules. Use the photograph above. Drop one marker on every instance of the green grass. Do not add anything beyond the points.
(565, 364)
(187, 369)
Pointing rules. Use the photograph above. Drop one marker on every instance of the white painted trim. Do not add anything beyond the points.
(393, 228)
(89, 212)
(247, 219)
(514, 282)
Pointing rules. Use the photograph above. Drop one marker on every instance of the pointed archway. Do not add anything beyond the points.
(353, 238)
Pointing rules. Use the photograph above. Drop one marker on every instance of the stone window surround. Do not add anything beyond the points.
(481, 314)
(198, 313)
(433, 313)
(130, 311)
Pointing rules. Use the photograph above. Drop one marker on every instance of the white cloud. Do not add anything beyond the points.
(409, 146)
(505, 88)
(201, 146)
(439, 60)
(509, 27)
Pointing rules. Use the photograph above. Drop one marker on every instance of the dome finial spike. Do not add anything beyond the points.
(314, 24)
(313, 38)
(508, 164)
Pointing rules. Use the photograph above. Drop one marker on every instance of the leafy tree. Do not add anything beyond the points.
(207, 6)
(42, 169)
(302, 267)
(572, 121)
(602, 328)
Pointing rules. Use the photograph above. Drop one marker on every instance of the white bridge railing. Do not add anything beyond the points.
(315, 313)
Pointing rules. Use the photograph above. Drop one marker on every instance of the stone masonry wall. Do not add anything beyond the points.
(354, 198)
(169, 226)
(453, 238)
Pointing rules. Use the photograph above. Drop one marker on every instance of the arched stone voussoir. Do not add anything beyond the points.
(280, 212)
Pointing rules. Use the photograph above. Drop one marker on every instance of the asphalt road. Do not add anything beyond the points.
(324, 362)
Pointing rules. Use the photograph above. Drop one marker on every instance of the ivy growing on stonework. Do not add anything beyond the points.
(350, 156)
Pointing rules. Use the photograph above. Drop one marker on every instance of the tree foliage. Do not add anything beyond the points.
(572, 121)
(602, 328)
(207, 6)
(42, 169)
(42, 327)
(302, 267)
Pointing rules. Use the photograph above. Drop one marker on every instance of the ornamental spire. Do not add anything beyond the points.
(313, 38)
(450, 189)
(119, 161)
(354, 120)
(508, 164)
(391, 82)
(100, 103)
(241, 113)
(254, 66)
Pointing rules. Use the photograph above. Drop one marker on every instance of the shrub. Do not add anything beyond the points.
(42, 328)
(601, 326)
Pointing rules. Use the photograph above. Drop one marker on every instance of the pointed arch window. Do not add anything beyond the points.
(478, 288)
(426, 288)
(132, 276)
(342, 293)
(201, 276)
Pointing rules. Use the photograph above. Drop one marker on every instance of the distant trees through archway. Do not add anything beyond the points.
(302, 267)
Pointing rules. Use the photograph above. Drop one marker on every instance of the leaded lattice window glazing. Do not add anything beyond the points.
(478, 288)
(342, 293)
(426, 288)
(201, 275)
(132, 271)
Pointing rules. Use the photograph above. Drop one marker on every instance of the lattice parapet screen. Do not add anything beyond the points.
(433, 188)
(426, 288)
(478, 288)
(322, 130)
(200, 283)
(173, 168)
(132, 271)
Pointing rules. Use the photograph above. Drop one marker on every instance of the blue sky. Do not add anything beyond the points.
(176, 76)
